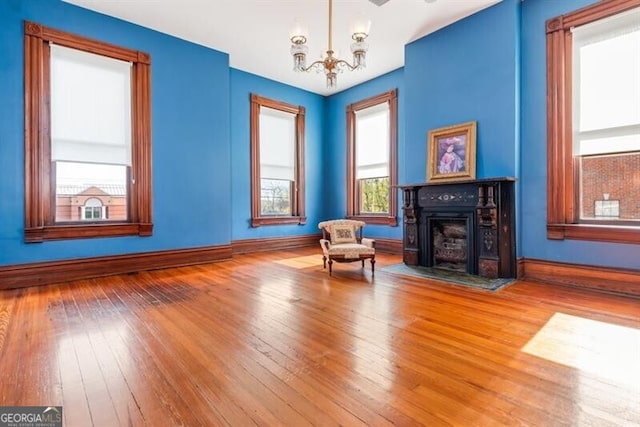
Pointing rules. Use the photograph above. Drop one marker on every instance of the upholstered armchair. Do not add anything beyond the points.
(342, 241)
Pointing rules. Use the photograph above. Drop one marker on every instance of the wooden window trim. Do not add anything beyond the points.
(39, 191)
(390, 97)
(562, 170)
(298, 198)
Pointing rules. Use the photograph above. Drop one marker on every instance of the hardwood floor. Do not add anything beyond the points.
(271, 339)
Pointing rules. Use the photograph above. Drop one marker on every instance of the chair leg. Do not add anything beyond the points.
(324, 262)
(330, 266)
(373, 263)
(362, 262)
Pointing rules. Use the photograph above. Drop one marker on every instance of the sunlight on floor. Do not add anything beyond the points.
(302, 261)
(604, 349)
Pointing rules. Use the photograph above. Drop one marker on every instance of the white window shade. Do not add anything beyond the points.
(277, 144)
(606, 84)
(90, 108)
(372, 142)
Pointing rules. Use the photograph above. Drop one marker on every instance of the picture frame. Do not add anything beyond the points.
(451, 153)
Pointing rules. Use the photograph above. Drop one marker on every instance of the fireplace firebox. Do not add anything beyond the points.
(465, 226)
(448, 241)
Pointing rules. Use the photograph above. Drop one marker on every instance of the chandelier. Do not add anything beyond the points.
(330, 64)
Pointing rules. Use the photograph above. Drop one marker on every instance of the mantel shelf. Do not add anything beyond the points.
(479, 181)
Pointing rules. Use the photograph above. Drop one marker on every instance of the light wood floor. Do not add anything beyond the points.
(271, 339)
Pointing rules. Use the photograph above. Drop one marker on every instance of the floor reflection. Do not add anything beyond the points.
(373, 336)
(604, 349)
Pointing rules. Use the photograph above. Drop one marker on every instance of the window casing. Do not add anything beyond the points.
(568, 207)
(277, 162)
(372, 159)
(40, 163)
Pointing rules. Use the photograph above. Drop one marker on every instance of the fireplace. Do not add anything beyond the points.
(446, 241)
(466, 226)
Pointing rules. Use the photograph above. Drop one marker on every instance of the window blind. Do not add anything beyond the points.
(90, 108)
(372, 142)
(277, 144)
(606, 85)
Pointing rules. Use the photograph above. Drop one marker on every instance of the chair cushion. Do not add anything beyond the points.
(342, 233)
(350, 250)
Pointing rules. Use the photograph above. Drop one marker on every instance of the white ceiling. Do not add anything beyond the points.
(255, 33)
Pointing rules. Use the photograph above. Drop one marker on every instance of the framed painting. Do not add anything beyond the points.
(451, 153)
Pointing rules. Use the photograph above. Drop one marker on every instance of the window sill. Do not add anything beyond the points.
(598, 233)
(83, 231)
(278, 220)
(391, 221)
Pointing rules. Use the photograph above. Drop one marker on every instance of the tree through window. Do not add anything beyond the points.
(371, 159)
(277, 162)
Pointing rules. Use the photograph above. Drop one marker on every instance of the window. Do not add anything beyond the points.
(371, 159)
(87, 126)
(607, 209)
(93, 210)
(593, 64)
(90, 120)
(277, 162)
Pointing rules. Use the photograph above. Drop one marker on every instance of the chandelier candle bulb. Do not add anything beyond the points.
(361, 27)
(298, 30)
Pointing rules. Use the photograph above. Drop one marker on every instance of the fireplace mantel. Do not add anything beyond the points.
(484, 208)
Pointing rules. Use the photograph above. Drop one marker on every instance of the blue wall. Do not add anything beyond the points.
(468, 71)
(489, 67)
(533, 179)
(464, 72)
(335, 148)
(190, 129)
(242, 85)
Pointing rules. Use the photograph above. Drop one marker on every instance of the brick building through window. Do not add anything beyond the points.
(611, 178)
(91, 203)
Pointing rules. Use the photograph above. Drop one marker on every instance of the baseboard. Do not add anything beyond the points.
(43, 273)
(520, 268)
(616, 280)
(391, 246)
(274, 243)
(48, 272)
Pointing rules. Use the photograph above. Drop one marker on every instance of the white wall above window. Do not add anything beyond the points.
(264, 49)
